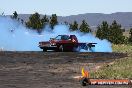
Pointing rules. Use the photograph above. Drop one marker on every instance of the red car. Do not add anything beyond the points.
(64, 43)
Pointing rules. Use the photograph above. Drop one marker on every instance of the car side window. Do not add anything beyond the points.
(64, 37)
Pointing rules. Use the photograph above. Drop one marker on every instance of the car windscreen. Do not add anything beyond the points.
(58, 38)
(62, 37)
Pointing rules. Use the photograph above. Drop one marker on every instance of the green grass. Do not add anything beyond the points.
(122, 48)
(121, 68)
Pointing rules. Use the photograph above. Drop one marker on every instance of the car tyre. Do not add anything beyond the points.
(44, 50)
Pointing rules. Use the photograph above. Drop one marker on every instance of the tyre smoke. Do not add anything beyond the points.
(16, 37)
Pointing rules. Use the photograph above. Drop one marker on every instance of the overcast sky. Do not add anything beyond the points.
(65, 7)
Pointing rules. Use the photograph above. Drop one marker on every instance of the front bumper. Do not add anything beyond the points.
(48, 46)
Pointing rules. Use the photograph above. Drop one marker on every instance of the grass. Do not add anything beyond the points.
(119, 69)
(122, 48)
(126, 34)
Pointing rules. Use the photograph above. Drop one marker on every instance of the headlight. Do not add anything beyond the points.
(53, 44)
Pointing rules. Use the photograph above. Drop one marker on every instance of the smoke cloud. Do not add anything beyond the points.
(16, 37)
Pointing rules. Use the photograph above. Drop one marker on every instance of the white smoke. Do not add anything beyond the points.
(15, 37)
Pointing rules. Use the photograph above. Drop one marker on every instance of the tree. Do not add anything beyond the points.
(84, 27)
(15, 15)
(103, 31)
(130, 32)
(22, 21)
(116, 33)
(45, 19)
(53, 21)
(74, 26)
(66, 23)
(130, 37)
(35, 22)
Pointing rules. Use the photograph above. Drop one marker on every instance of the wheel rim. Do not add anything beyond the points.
(61, 48)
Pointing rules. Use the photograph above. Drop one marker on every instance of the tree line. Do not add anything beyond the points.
(112, 32)
(36, 22)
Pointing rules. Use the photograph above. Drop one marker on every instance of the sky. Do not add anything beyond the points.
(65, 7)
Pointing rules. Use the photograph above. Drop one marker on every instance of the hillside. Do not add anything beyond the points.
(94, 19)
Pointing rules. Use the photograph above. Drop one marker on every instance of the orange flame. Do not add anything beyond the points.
(85, 73)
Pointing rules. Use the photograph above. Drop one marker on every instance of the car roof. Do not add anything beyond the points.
(66, 35)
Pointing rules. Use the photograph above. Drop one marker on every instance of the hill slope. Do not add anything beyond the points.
(94, 19)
